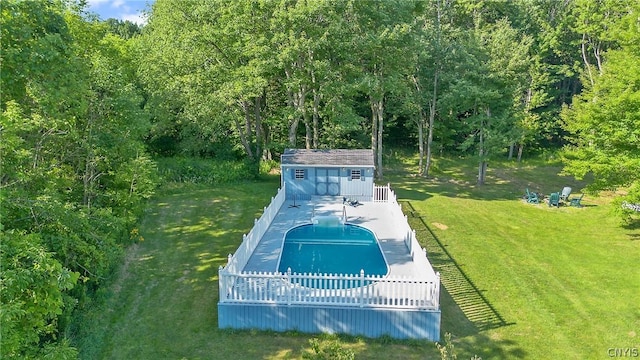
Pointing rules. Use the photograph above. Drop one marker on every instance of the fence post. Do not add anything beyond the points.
(222, 289)
(436, 300)
(361, 287)
(289, 286)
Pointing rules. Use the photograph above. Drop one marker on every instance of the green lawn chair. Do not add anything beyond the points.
(576, 201)
(554, 199)
(532, 198)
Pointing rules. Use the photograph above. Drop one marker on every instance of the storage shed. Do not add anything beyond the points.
(335, 172)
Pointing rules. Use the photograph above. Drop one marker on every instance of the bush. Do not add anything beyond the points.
(328, 350)
(205, 171)
(267, 165)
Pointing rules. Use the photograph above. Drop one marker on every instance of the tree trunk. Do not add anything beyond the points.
(584, 58)
(316, 103)
(520, 148)
(296, 102)
(511, 146)
(482, 167)
(374, 125)
(293, 128)
(316, 118)
(308, 137)
(243, 135)
(482, 171)
(89, 166)
(434, 98)
(420, 124)
(380, 109)
(432, 118)
(259, 138)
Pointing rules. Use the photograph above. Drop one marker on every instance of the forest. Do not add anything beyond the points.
(97, 114)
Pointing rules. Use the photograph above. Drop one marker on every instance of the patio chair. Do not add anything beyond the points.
(576, 201)
(351, 202)
(554, 199)
(532, 198)
(566, 191)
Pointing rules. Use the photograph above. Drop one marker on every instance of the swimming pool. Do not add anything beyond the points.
(332, 249)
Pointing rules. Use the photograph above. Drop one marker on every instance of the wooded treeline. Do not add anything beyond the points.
(88, 105)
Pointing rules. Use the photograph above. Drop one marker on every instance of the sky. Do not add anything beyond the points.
(120, 9)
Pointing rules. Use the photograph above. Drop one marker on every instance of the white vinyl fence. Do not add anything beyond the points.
(418, 254)
(329, 289)
(238, 261)
(237, 286)
(383, 194)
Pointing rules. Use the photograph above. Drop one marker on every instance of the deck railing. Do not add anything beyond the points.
(329, 290)
(383, 194)
(239, 259)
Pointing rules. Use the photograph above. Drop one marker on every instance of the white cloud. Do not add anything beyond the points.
(120, 9)
(139, 19)
(119, 4)
(93, 3)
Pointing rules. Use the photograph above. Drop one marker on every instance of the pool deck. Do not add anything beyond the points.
(377, 217)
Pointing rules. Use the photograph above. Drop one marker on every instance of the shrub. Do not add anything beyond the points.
(328, 350)
(205, 171)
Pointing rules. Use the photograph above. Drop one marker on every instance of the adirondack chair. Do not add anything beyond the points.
(554, 199)
(532, 198)
(566, 191)
(576, 201)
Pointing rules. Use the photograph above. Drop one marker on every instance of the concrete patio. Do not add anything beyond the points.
(383, 218)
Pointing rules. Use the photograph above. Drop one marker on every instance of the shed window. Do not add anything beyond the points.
(356, 174)
(298, 174)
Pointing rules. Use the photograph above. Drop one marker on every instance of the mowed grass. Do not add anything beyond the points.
(520, 281)
(162, 303)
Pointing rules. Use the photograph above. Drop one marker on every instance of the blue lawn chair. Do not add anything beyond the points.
(532, 198)
(576, 201)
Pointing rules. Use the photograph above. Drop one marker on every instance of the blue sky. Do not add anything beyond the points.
(120, 9)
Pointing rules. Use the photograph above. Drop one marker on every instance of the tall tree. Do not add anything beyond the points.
(435, 54)
(215, 59)
(605, 119)
(381, 32)
(489, 93)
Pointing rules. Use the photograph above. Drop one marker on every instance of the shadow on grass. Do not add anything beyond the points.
(477, 309)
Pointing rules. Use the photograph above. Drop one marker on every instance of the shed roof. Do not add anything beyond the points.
(325, 157)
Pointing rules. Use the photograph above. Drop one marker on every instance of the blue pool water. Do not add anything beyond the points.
(332, 249)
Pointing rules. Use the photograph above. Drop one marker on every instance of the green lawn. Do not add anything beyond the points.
(520, 280)
(162, 303)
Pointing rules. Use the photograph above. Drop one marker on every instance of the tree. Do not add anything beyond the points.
(32, 286)
(381, 32)
(604, 120)
(488, 94)
(74, 173)
(435, 55)
(214, 60)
